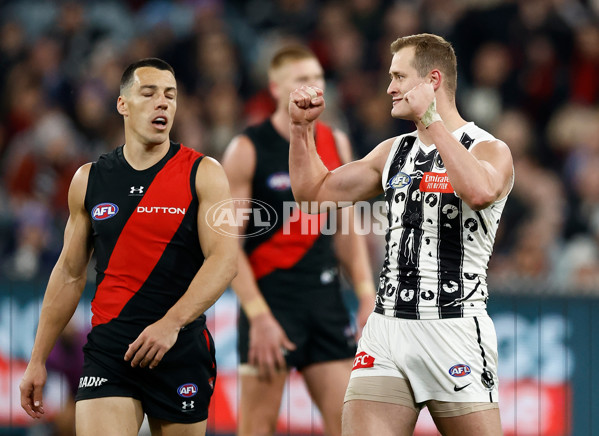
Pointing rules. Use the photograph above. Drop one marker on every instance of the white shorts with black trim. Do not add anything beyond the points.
(452, 360)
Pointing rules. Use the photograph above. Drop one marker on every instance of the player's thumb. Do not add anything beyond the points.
(288, 344)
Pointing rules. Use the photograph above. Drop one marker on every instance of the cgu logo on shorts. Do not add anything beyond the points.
(103, 211)
(459, 370)
(363, 360)
(91, 381)
(187, 390)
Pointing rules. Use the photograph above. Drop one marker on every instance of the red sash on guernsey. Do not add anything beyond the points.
(288, 245)
(142, 242)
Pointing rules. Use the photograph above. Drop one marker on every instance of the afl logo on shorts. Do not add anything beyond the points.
(399, 180)
(279, 181)
(103, 211)
(187, 390)
(459, 370)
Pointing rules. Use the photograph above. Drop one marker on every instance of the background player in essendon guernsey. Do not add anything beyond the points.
(158, 353)
(288, 285)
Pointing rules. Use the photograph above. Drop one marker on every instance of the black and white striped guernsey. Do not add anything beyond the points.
(437, 247)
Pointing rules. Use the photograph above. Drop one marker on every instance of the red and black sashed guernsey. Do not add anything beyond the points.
(145, 238)
(286, 254)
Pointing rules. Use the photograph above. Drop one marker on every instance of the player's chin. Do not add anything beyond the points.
(156, 139)
(396, 113)
(399, 113)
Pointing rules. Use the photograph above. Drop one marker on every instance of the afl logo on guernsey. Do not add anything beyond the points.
(187, 390)
(103, 211)
(399, 180)
(279, 181)
(459, 370)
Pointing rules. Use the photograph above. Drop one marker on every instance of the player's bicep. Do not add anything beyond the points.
(217, 227)
(496, 158)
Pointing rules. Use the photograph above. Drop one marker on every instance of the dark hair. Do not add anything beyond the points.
(430, 52)
(127, 77)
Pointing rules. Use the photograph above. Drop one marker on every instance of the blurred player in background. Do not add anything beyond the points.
(288, 283)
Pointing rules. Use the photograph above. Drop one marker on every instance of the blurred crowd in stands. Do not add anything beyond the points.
(528, 72)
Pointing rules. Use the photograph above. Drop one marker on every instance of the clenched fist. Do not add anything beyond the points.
(306, 104)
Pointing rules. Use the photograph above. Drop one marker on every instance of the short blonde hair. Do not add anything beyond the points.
(430, 52)
(290, 53)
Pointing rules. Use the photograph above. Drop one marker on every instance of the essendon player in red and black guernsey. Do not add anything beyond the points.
(288, 285)
(142, 209)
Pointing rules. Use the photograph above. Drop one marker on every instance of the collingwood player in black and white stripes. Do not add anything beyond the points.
(437, 246)
(429, 341)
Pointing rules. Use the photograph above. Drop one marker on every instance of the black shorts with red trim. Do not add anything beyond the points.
(177, 390)
(315, 318)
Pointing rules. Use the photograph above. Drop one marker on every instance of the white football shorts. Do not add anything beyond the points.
(450, 360)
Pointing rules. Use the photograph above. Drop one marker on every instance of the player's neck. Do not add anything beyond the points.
(142, 156)
(280, 121)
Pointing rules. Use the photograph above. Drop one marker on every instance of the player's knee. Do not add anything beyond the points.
(258, 424)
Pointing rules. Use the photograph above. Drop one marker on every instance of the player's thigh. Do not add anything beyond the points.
(327, 382)
(160, 427)
(259, 402)
(381, 405)
(364, 417)
(480, 423)
(108, 415)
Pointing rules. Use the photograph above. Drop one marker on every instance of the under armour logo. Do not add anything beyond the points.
(185, 405)
(138, 191)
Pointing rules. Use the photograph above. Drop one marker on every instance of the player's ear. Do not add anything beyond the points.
(435, 77)
(273, 87)
(121, 106)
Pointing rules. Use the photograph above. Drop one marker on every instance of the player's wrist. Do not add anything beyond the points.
(256, 307)
(431, 115)
(37, 362)
(300, 125)
(365, 289)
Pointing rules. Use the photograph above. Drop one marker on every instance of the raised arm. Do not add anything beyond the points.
(267, 337)
(217, 271)
(352, 251)
(62, 295)
(310, 179)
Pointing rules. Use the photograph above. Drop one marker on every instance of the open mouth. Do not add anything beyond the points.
(159, 122)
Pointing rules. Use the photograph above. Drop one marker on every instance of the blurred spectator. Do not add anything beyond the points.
(530, 231)
(584, 69)
(484, 100)
(38, 167)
